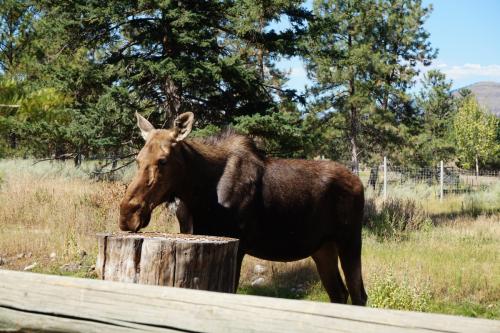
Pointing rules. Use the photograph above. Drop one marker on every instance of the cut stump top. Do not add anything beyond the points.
(176, 237)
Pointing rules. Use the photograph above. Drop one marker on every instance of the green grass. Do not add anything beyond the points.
(454, 265)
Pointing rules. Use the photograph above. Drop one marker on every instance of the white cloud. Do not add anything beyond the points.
(472, 70)
(465, 74)
(460, 72)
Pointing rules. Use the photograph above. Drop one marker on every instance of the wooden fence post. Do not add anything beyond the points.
(441, 182)
(385, 177)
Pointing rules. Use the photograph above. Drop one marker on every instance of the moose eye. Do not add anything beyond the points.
(162, 161)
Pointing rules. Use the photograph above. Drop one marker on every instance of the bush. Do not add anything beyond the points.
(394, 218)
(388, 293)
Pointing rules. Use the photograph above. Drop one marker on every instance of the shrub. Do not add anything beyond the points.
(388, 293)
(394, 218)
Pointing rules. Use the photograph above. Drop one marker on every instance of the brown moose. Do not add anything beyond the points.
(280, 209)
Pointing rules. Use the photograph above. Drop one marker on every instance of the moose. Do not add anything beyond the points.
(279, 209)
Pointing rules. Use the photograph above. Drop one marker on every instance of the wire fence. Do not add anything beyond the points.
(384, 178)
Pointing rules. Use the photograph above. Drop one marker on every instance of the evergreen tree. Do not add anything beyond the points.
(437, 106)
(160, 58)
(31, 114)
(280, 129)
(363, 58)
(16, 31)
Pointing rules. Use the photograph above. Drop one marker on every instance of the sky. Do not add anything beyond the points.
(466, 33)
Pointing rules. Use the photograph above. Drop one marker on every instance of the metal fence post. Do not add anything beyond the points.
(385, 177)
(441, 182)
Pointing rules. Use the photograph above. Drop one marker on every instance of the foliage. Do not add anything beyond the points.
(387, 292)
(206, 131)
(395, 217)
(475, 132)
(163, 58)
(433, 135)
(16, 33)
(280, 134)
(72, 74)
(363, 58)
(159, 58)
(32, 118)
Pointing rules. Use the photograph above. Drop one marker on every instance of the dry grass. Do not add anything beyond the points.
(47, 213)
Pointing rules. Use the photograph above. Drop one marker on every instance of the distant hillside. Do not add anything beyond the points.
(488, 95)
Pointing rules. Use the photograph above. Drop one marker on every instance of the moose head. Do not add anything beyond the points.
(159, 166)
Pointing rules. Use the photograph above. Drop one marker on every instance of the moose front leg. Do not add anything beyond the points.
(185, 219)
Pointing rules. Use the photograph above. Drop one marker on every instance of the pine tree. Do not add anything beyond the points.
(159, 58)
(16, 31)
(31, 114)
(437, 106)
(363, 58)
(279, 129)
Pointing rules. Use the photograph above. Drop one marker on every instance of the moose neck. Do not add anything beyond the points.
(203, 166)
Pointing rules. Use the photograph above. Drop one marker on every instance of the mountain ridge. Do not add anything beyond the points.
(487, 94)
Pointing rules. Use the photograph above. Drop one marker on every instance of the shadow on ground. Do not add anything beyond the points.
(293, 282)
(465, 212)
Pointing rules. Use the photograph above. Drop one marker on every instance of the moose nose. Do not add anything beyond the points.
(127, 215)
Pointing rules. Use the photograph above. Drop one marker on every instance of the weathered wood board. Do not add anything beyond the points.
(177, 260)
(45, 303)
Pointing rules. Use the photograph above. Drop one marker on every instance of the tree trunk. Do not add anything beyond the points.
(173, 100)
(78, 158)
(172, 90)
(354, 120)
(260, 50)
(354, 153)
(477, 167)
(176, 260)
(13, 140)
(354, 131)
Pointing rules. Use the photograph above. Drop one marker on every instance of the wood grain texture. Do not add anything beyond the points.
(187, 261)
(45, 303)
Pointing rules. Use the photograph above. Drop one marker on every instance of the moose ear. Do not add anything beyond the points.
(238, 184)
(144, 125)
(183, 124)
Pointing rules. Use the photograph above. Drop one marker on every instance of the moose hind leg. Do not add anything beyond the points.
(326, 259)
(350, 258)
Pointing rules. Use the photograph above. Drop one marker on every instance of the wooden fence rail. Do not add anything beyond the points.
(45, 303)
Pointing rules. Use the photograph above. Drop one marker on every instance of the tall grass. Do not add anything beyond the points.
(395, 218)
(57, 209)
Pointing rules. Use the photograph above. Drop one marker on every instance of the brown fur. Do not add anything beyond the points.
(280, 209)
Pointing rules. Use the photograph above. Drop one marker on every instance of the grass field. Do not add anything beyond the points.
(448, 263)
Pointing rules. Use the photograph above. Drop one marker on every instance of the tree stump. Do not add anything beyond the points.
(177, 260)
